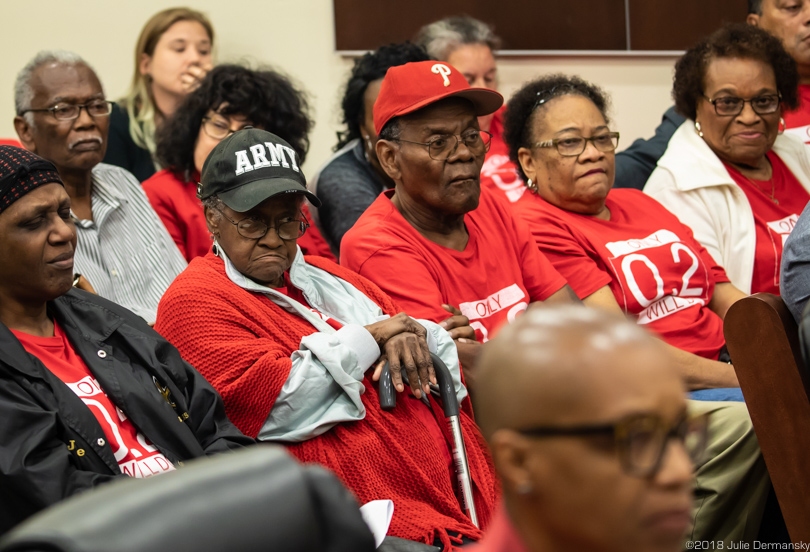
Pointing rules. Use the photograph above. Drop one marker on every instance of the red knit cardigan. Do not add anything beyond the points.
(242, 343)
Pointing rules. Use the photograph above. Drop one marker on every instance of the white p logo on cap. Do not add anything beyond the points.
(443, 70)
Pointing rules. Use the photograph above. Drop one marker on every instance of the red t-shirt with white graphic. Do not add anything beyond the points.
(493, 280)
(498, 173)
(655, 268)
(797, 122)
(136, 456)
(773, 220)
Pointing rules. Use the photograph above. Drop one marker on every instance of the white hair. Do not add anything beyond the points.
(24, 91)
(442, 37)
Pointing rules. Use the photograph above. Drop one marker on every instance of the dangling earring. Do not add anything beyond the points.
(698, 129)
(782, 125)
(531, 185)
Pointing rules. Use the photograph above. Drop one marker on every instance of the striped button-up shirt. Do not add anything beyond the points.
(125, 252)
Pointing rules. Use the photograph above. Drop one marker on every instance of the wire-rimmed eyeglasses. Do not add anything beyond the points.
(443, 146)
(254, 229)
(67, 112)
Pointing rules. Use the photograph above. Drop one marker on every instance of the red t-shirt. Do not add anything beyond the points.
(498, 173)
(136, 456)
(655, 268)
(797, 122)
(773, 221)
(176, 203)
(494, 279)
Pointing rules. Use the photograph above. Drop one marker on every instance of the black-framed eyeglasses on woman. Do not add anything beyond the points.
(575, 145)
(731, 106)
(443, 146)
(254, 229)
(641, 439)
(67, 112)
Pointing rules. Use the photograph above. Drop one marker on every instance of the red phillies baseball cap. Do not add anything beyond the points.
(407, 88)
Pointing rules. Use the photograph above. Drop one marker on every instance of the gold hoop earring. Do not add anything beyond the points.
(698, 129)
(782, 126)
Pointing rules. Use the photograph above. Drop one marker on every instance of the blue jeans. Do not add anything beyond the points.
(720, 394)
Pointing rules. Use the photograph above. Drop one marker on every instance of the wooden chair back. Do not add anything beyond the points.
(763, 341)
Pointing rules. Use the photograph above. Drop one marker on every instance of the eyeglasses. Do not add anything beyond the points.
(67, 112)
(641, 439)
(730, 106)
(574, 146)
(443, 146)
(216, 129)
(254, 229)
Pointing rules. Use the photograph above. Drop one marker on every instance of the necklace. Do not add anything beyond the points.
(771, 194)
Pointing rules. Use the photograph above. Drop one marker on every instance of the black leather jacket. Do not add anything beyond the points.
(51, 445)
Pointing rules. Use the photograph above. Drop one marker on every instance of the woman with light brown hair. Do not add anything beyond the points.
(172, 56)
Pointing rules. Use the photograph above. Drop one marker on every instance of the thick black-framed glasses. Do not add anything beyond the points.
(443, 146)
(641, 439)
(254, 229)
(67, 112)
(575, 145)
(731, 106)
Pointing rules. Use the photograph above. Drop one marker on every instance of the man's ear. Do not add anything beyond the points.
(388, 156)
(25, 133)
(510, 452)
(752, 19)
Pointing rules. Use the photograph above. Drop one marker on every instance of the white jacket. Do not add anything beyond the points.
(693, 183)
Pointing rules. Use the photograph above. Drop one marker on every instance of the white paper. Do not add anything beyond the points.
(377, 514)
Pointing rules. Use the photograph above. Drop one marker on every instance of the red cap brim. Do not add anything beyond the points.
(484, 100)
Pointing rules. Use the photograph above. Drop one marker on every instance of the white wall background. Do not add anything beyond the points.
(294, 36)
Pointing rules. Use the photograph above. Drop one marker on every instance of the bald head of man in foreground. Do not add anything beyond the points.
(579, 409)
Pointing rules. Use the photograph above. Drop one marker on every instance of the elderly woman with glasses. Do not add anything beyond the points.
(618, 249)
(622, 252)
(729, 172)
(294, 345)
(229, 98)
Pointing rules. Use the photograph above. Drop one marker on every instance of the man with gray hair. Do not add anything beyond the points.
(123, 251)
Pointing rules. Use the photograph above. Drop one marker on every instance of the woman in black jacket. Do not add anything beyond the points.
(88, 391)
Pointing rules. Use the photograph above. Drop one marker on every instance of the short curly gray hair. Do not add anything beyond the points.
(442, 37)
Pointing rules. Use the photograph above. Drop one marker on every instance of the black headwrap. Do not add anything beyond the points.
(21, 172)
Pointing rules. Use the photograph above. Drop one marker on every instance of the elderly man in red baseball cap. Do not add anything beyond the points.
(437, 242)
